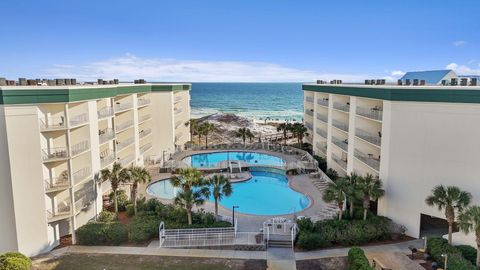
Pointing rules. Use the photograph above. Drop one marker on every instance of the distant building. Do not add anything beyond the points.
(431, 77)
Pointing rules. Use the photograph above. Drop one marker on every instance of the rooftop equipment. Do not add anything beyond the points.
(454, 82)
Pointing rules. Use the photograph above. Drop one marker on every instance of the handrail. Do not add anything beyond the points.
(81, 174)
(106, 135)
(340, 125)
(143, 101)
(52, 122)
(340, 161)
(309, 99)
(369, 137)
(105, 112)
(323, 102)
(367, 159)
(341, 106)
(123, 106)
(144, 132)
(79, 119)
(321, 132)
(322, 117)
(144, 117)
(123, 125)
(54, 153)
(125, 143)
(80, 147)
(342, 144)
(372, 113)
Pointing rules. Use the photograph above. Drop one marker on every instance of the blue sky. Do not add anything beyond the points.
(245, 40)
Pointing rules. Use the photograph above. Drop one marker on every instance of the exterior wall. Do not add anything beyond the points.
(163, 130)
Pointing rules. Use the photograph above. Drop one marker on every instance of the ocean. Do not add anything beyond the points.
(278, 101)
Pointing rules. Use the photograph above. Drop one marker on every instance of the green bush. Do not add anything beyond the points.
(305, 225)
(468, 252)
(143, 228)
(106, 216)
(130, 212)
(92, 233)
(332, 174)
(116, 233)
(357, 260)
(322, 163)
(15, 261)
(122, 199)
(310, 241)
(458, 262)
(438, 246)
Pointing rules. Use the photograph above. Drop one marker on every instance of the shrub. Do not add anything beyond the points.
(468, 252)
(143, 227)
(322, 163)
(122, 199)
(458, 262)
(332, 174)
(438, 246)
(15, 261)
(130, 210)
(306, 225)
(106, 216)
(311, 241)
(92, 233)
(357, 260)
(116, 233)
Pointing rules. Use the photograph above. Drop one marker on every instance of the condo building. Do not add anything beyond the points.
(415, 134)
(55, 139)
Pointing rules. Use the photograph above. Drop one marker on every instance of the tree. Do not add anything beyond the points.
(138, 175)
(195, 128)
(206, 128)
(219, 186)
(187, 199)
(285, 128)
(116, 176)
(470, 221)
(336, 193)
(300, 131)
(244, 133)
(332, 174)
(351, 190)
(250, 135)
(450, 199)
(187, 179)
(371, 188)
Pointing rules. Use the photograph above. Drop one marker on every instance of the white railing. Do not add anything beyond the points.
(54, 153)
(62, 209)
(143, 101)
(340, 161)
(122, 106)
(309, 99)
(80, 147)
(144, 132)
(57, 182)
(122, 144)
(144, 117)
(178, 98)
(369, 137)
(322, 117)
(341, 106)
(178, 110)
(200, 237)
(81, 175)
(145, 148)
(178, 123)
(84, 202)
(309, 112)
(368, 159)
(322, 147)
(105, 112)
(107, 158)
(78, 119)
(293, 234)
(52, 123)
(178, 136)
(321, 132)
(106, 135)
(323, 102)
(340, 125)
(126, 160)
(124, 125)
(342, 144)
(372, 113)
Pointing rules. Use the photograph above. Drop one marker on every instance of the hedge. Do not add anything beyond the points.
(438, 246)
(15, 261)
(468, 252)
(357, 260)
(107, 216)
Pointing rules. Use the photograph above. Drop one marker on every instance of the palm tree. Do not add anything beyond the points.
(285, 128)
(371, 188)
(250, 135)
(206, 128)
(470, 221)
(336, 193)
(351, 191)
(187, 199)
(195, 128)
(116, 176)
(187, 179)
(300, 131)
(192, 190)
(138, 175)
(244, 133)
(220, 186)
(451, 199)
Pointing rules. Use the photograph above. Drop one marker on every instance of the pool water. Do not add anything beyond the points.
(209, 160)
(265, 194)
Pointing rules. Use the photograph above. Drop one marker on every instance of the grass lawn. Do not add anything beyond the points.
(131, 262)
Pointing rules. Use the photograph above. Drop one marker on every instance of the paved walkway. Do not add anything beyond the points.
(281, 259)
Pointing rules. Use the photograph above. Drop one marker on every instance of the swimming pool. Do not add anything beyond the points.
(209, 160)
(265, 193)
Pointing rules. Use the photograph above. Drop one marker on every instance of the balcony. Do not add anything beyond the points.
(342, 163)
(374, 113)
(54, 154)
(57, 183)
(82, 174)
(63, 210)
(369, 137)
(369, 159)
(309, 112)
(84, 202)
(144, 118)
(178, 124)
(52, 123)
(309, 99)
(145, 148)
(126, 160)
(124, 125)
(78, 120)
(120, 107)
(178, 136)
(321, 132)
(106, 158)
(105, 112)
(322, 117)
(123, 144)
(80, 147)
(309, 125)
(143, 102)
(340, 125)
(342, 144)
(323, 102)
(178, 98)
(143, 133)
(322, 147)
(341, 106)
(106, 135)
(178, 110)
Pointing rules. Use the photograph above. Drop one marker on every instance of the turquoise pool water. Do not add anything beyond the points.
(265, 194)
(209, 160)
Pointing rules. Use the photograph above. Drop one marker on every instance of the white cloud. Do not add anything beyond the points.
(130, 67)
(397, 73)
(463, 69)
(459, 43)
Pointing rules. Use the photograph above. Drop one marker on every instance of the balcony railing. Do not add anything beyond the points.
(52, 123)
(369, 159)
(177, 110)
(143, 101)
(145, 148)
(309, 125)
(105, 112)
(322, 147)
(309, 99)
(106, 135)
(144, 117)
(84, 202)
(341, 106)
(124, 125)
(340, 125)
(54, 153)
(339, 161)
(107, 158)
(323, 102)
(372, 113)
(126, 160)
(322, 132)
(144, 132)
(369, 137)
(178, 136)
(122, 144)
(123, 106)
(322, 117)
(178, 98)
(309, 112)
(342, 144)
(62, 210)
(78, 119)
(178, 123)
(80, 147)
(81, 175)
(54, 183)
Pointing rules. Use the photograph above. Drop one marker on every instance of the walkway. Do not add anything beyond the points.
(281, 259)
